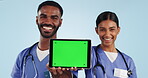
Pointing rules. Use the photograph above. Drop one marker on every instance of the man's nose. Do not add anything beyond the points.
(48, 20)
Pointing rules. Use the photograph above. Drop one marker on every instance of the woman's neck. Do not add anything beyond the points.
(110, 48)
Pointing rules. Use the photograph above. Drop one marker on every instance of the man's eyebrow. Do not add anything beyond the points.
(42, 14)
(54, 16)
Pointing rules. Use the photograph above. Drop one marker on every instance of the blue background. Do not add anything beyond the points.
(18, 28)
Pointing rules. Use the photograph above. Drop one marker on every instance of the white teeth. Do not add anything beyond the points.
(48, 28)
(107, 38)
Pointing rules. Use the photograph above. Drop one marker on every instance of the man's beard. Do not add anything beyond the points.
(49, 25)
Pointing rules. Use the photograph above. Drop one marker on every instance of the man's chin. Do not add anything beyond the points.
(46, 36)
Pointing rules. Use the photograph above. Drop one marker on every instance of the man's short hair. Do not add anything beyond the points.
(51, 3)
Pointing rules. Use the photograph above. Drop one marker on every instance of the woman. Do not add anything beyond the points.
(107, 61)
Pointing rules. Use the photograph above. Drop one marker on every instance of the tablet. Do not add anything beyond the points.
(68, 53)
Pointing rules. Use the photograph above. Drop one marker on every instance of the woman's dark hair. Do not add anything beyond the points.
(107, 15)
(51, 3)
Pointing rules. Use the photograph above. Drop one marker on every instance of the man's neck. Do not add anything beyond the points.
(44, 43)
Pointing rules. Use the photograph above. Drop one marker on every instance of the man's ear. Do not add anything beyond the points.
(61, 20)
(37, 20)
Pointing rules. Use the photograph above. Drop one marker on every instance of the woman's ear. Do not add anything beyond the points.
(118, 30)
(96, 29)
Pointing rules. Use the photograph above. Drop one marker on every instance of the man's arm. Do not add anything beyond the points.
(16, 69)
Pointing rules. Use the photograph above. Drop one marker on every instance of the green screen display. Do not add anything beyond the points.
(70, 53)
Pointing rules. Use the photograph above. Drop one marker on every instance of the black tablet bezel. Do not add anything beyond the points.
(88, 52)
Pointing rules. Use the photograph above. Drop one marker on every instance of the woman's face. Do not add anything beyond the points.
(107, 31)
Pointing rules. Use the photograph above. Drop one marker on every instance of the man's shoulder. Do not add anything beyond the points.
(24, 52)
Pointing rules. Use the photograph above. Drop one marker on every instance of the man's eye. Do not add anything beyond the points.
(54, 17)
(43, 16)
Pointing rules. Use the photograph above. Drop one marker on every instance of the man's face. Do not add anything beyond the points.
(107, 31)
(48, 21)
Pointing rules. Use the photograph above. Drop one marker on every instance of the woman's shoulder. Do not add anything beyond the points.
(127, 58)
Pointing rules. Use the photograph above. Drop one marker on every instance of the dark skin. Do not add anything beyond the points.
(50, 15)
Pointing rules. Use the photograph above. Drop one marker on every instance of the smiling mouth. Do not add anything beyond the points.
(107, 38)
(47, 28)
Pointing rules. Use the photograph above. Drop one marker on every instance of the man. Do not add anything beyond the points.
(31, 62)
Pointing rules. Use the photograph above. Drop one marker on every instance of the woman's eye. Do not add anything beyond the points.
(112, 29)
(102, 29)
